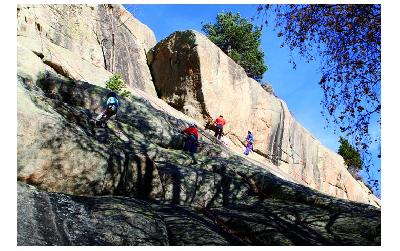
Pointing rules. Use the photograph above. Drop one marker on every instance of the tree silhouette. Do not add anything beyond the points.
(347, 41)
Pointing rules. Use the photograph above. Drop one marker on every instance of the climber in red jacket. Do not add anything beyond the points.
(219, 124)
(191, 140)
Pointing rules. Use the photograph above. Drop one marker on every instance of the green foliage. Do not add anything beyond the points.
(117, 84)
(351, 156)
(189, 36)
(240, 40)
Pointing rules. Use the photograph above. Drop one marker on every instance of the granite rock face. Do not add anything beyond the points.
(59, 219)
(194, 76)
(131, 184)
(58, 150)
(107, 36)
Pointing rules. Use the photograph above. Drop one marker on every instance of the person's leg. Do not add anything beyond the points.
(99, 120)
(100, 116)
(219, 133)
(247, 151)
(109, 112)
(193, 148)
(112, 111)
(186, 145)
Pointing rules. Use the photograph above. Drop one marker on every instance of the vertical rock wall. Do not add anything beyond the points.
(193, 75)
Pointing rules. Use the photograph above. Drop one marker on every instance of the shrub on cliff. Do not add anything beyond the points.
(240, 40)
(351, 156)
(117, 84)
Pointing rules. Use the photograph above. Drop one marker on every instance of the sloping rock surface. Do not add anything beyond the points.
(61, 219)
(194, 76)
(104, 35)
(131, 184)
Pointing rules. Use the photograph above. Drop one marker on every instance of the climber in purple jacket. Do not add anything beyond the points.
(249, 142)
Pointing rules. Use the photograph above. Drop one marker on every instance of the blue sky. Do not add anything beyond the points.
(297, 87)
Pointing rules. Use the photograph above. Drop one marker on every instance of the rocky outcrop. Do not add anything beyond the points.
(53, 131)
(194, 76)
(131, 184)
(105, 35)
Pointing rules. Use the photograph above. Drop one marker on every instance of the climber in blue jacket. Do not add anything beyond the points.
(249, 142)
(112, 105)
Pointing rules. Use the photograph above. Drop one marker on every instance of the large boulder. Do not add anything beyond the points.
(194, 76)
(105, 35)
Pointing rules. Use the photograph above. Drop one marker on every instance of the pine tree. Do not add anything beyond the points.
(240, 40)
(351, 156)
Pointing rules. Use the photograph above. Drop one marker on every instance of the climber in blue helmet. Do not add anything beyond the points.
(249, 142)
(112, 105)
